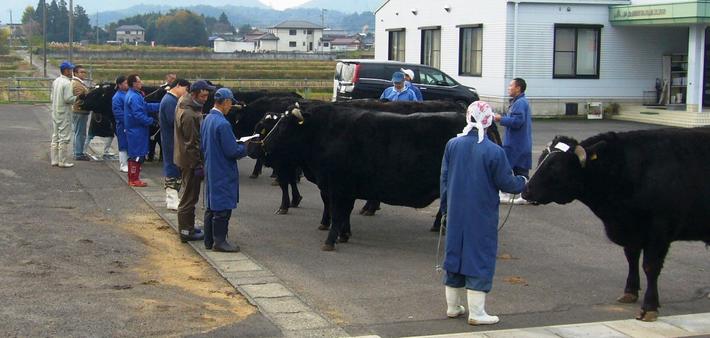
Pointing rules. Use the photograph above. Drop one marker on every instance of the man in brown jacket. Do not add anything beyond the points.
(79, 116)
(187, 156)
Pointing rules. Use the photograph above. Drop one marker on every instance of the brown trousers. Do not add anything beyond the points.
(189, 198)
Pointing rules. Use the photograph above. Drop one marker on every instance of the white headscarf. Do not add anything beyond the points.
(479, 115)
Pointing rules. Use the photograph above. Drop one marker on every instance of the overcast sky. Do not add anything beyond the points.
(18, 6)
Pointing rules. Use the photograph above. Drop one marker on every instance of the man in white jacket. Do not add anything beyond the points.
(62, 100)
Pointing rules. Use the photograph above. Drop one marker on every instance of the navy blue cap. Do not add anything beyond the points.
(66, 65)
(201, 85)
(223, 94)
(398, 77)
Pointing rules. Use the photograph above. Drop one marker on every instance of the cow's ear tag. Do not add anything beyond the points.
(593, 157)
(300, 122)
(562, 146)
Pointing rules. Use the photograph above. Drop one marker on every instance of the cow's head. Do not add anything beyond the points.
(287, 130)
(99, 98)
(559, 174)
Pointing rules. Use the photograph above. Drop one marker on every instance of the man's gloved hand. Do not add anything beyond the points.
(199, 171)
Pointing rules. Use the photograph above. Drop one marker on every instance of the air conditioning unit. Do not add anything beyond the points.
(595, 110)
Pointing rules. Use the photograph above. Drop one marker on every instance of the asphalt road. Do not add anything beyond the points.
(556, 265)
(82, 255)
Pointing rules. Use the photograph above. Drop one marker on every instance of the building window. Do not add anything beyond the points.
(470, 50)
(292, 43)
(309, 32)
(577, 51)
(292, 32)
(326, 44)
(431, 47)
(396, 45)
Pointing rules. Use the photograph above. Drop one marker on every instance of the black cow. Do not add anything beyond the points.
(353, 153)
(649, 188)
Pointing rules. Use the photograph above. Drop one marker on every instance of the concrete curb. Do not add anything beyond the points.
(261, 287)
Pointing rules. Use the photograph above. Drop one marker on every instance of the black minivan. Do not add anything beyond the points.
(364, 78)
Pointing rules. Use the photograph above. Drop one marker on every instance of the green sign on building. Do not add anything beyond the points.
(678, 13)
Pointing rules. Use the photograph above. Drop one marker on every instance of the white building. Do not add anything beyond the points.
(570, 52)
(130, 34)
(260, 43)
(297, 36)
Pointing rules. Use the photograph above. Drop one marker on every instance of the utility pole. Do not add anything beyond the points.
(44, 36)
(29, 40)
(97, 27)
(11, 29)
(71, 30)
(322, 24)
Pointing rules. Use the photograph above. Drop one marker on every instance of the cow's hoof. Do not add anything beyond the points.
(328, 247)
(323, 227)
(281, 211)
(628, 298)
(275, 183)
(254, 176)
(296, 201)
(434, 228)
(365, 212)
(648, 316)
(343, 239)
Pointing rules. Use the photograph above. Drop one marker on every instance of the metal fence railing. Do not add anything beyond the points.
(25, 89)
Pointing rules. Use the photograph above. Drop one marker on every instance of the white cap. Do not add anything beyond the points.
(408, 72)
(479, 115)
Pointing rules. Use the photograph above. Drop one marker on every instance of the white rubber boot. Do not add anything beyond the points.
(123, 161)
(476, 309)
(454, 302)
(505, 198)
(171, 199)
(62, 152)
(54, 154)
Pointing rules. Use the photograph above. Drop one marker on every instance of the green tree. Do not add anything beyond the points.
(224, 19)
(82, 25)
(28, 14)
(245, 29)
(4, 41)
(181, 28)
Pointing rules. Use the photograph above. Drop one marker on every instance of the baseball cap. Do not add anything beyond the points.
(398, 77)
(223, 94)
(201, 85)
(408, 72)
(66, 65)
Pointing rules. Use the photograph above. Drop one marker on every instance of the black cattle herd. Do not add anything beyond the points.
(649, 188)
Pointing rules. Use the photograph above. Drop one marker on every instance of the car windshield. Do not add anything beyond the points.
(434, 77)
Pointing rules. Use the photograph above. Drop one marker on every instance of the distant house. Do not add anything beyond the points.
(252, 42)
(297, 36)
(130, 34)
(344, 44)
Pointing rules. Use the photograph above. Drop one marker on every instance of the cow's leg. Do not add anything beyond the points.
(285, 202)
(339, 212)
(633, 283)
(257, 168)
(296, 195)
(653, 256)
(325, 219)
(437, 222)
(346, 232)
(370, 207)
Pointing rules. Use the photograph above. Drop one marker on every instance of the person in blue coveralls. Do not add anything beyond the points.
(399, 91)
(166, 116)
(408, 78)
(221, 152)
(517, 141)
(473, 170)
(137, 123)
(117, 102)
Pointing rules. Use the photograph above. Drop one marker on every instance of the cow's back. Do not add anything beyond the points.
(651, 180)
(384, 156)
